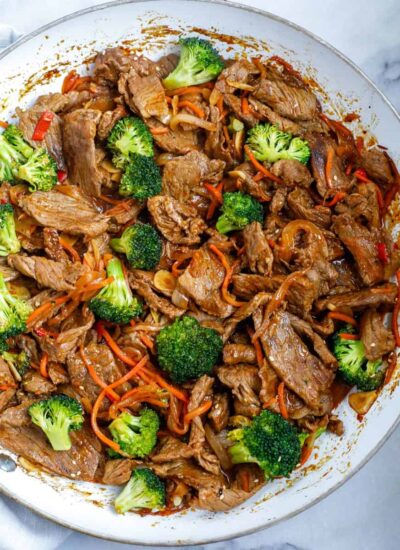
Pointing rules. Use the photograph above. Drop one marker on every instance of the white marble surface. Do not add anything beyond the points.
(363, 514)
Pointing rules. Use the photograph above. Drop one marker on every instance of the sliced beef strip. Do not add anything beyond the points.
(239, 71)
(188, 472)
(376, 164)
(79, 133)
(362, 205)
(234, 104)
(202, 280)
(6, 377)
(278, 201)
(6, 398)
(238, 353)
(109, 64)
(201, 392)
(216, 146)
(258, 252)
(224, 499)
(108, 120)
(143, 91)
(292, 172)
(219, 413)
(177, 142)
(82, 461)
(286, 98)
(303, 207)
(183, 175)
(176, 221)
(305, 330)
(76, 216)
(33, 382)
(356, 300)
(245, 384)
(291, 359)
(169, 449)
(266, 113)
(363, 245)
(321, 145)
(117, 471)
(377, 339)
(57, 374)
(52, 245)
(143, 288)
(53, 139)
(246, 285)
(166, 64)
(49, 274)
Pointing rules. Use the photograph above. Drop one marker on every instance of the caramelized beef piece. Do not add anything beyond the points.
(76, 216)
(292, 172)
(57, 374)
(219, 413)
(238, 71)
(143, 91)
(286, 97)
(363, 245)
(246, 285)
(266, 113)
(234, 104)
(224, 499)
(377, 339)
(188, 472)
(28, 120)
(177, 142)
(176, 221)
(383, 294)
(52, 245)
(303, 208)
(33, 382)
(201, 392)
(6, 378)
(108, 120)
(258, 252)
(216, 146)
(238, 353)
(79, 133)
(292, 360)
(202, 280)
(6, 397)
(49, 274)
(183, 175)
(109, 64)
(117, 471)
(169, 449)
(245, 384)
(143, 289)
(376, 164)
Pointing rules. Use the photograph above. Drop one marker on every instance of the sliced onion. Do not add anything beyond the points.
(109, 167)
(163, 158)
(183, 118)
(217, 447)
(214, 97)
(362, 401)
(164, 281)
(240, 85)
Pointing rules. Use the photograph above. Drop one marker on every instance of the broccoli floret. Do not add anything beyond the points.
(141, 244)
(136, 435)
(14, 136)
(115, 302)
(143, 490)
(13, 312)
(238, 210)
(199, 62)
(141, 179)
(17, 362)
(10, 160)
(40, 171)
(57, 416)
(9, 243)
(270, 441)
(186, 350)
(129, 136)
(354, 367)
(268, 143)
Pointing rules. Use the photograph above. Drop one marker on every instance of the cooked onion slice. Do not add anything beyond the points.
(217, 447)
(183, 118)
(362, 401)
(240, 85)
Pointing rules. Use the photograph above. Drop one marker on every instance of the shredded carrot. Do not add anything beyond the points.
(3, 124)
(361, 175)
(176, 272)
(95, 427)
(113, 345)
(164, 384)
(214, 192)
(197, 412)
(5, 387)
(245, 105)
(342, 317)
(123, 206)
(245, 480)
(307, 449)
(257, 347)
(328, 167)
(109, 200)
(258, 177)
(214, 203)
(225, 131)
(257, 62)
(281, 400)
(198, 111)
(396, 311)
(391, 368)
(187, 90)
(147, 341)
(269, 403)
(93, 287)
(159, 131)
(260, 167)
(228, 275)
(336, 126)
(43, 365)
(348, 336)
(339, 196)
(44, 307)
(69, 82)
(69, 248)
(110, 393)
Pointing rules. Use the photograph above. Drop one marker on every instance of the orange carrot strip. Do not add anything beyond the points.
(214, 202)
(342, 317)
(94, 286)
(110, 393)
(69, 81)
(114, 346)
(260, 167)
(43, 365)
(347, 336)
(281, 400)
(339, 196)
(328, 167)
(228, 274)
(109, 200)
(214, 192)
(197, 412)
(69, 248)
(245, 480)
(44, 307)
(269, 403)
(187, 90)
(198, 111)
(147, 341)
(3, 124)
(159, 131)
(5, 387)
(164, 384)
(245, 105)
(93, 420)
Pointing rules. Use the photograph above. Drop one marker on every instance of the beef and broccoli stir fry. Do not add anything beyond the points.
(194, 266)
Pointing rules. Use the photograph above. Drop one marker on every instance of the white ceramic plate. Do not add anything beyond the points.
(32, 65)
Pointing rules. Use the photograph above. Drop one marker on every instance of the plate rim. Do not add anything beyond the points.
(352, 471)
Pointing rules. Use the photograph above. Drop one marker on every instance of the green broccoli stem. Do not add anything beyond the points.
(59, 436)
(224, 225)
(239, 453)
(133, 496)
(119, 245)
